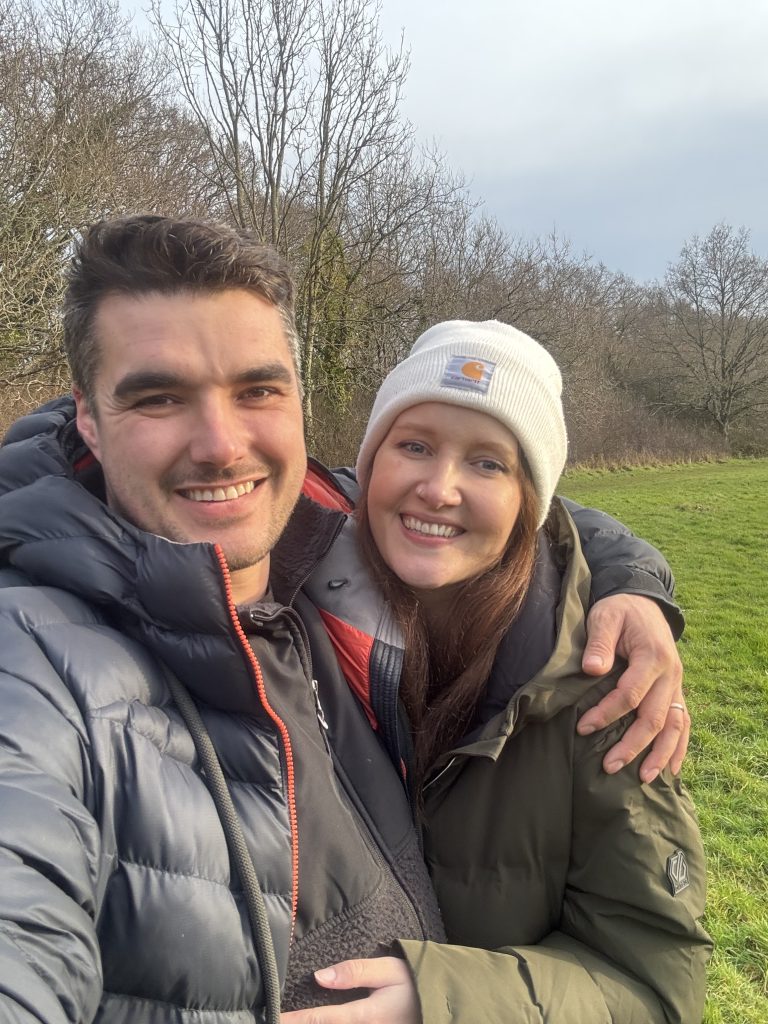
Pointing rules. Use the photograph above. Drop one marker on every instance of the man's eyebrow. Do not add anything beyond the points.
(154, 380)
(145, 380)
(279, 373)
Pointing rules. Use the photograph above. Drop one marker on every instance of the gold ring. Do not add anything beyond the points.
(680, 707)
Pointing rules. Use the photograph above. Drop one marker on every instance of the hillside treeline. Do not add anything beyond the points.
(283, 116)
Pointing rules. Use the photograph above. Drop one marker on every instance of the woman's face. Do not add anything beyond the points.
(443, 495)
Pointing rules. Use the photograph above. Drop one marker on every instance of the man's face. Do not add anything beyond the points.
(196, 421)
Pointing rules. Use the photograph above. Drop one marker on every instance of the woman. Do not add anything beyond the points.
(569, 895)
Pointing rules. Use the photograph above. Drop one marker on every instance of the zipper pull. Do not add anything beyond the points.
(323, 721)
(439, 775)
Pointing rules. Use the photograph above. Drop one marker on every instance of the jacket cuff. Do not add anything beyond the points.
(618, 579)
(461, 983)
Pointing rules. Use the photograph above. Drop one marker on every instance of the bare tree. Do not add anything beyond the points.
(300, 105)
(713, 321)
(368, 307)
(87, 129)
(245, 72)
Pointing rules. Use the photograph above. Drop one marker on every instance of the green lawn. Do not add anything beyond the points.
(711, 521)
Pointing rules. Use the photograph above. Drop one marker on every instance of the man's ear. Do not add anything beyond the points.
(86, 421)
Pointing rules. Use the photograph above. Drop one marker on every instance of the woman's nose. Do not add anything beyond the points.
(440, 487)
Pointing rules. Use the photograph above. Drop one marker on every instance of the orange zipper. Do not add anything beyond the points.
(281, 727)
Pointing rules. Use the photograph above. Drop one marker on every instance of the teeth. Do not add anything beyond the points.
(220, 493)
(430, 529)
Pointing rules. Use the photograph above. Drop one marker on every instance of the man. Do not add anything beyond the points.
(189, 792)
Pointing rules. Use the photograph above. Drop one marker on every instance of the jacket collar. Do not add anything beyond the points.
(559, 682)
(58, 532)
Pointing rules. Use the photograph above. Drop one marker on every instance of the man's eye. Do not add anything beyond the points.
(154, 401)
(258, 393)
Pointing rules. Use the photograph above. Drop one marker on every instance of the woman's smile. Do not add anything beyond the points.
(422, 528)
(443, 495)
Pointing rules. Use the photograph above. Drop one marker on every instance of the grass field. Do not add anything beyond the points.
(711, 521)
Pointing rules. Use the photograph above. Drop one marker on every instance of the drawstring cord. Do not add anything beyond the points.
(257, 912)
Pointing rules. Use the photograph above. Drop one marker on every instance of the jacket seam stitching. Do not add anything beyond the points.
(194, 875)
(176, 1006)
(28, 960)
(271, 784)
(99, 622)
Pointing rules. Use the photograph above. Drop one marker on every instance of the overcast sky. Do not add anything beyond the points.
(626, 125)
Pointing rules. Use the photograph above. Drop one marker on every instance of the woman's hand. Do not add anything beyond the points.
(635, 627)
(392, 998)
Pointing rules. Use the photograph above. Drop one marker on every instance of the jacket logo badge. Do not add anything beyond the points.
(677, 872)
(468, 374)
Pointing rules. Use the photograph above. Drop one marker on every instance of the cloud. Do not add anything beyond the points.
(627, 120)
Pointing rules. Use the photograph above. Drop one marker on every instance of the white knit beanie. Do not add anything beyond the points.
(490, 367)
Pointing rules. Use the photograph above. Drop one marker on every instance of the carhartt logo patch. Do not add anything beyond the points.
(677, 872)
(468, 374)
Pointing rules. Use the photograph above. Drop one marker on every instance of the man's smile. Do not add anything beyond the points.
(224, 493)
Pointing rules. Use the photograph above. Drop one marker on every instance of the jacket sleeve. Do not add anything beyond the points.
(622, 563)
(49, 844)
(627, 951)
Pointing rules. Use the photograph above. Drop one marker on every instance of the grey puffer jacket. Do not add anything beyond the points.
(118, 901)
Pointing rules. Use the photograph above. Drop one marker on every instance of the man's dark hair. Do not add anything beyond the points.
(141, 254)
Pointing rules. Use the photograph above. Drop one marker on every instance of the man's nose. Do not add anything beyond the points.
(440, 485)
(218, 437)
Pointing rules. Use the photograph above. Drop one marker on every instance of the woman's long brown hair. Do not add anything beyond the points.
(448, 658)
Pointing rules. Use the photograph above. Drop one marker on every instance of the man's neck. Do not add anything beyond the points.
(250, 585)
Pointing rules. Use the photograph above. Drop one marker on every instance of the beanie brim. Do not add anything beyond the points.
(522, 392)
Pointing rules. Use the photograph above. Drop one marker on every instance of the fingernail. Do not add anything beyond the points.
(650, 776)
(614, 766)
(586, 730)
(593, 661)
(326, 974)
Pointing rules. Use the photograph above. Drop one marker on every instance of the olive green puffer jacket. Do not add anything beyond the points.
(570, 896)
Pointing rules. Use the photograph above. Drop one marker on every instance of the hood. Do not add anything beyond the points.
(56, 530)
(559, 600)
